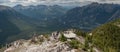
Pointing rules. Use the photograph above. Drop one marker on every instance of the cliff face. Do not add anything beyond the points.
(66, 41)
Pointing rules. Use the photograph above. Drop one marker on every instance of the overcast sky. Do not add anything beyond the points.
(35, 2)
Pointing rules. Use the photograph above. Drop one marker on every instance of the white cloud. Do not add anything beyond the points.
(12, 0)
(35, 2)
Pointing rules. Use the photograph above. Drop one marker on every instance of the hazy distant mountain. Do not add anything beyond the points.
(90, 16)
(85, 17)
(44, 12)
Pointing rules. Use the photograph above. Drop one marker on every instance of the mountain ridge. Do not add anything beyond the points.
(91, 16)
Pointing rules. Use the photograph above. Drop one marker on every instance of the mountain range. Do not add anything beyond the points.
(41, 11)
(23, 21)
(91, 16)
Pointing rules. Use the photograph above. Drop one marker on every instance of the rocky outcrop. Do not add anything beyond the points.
(48, 43)
(69, 34)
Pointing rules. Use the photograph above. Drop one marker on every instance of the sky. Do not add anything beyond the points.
(35, 2)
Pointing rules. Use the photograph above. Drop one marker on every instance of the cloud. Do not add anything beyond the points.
(35, 2)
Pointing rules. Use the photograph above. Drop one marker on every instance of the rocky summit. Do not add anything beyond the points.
(67, 41)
